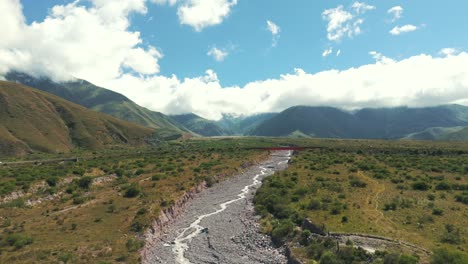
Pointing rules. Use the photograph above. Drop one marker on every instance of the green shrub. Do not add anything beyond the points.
(52, 181)
(132, 191)
(451, 235)
(84, 182)
(442, 186)
(282, 231)
(420, 186)
(19, 240)
(445, 256)
(134, 245)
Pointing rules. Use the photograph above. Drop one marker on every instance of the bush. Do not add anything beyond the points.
(282, 231)
(445, 256)
(330, 258)
(51, 181)
(315, 205)
(19, 240)
(84, 182)
(451, 235)
(390, 206)
(357, 183)
(134, 245)
(437, 211)
(443, 186)
(132, 191)
(420, 186)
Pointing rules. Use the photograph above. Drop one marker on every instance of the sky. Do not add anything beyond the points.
(215, 57)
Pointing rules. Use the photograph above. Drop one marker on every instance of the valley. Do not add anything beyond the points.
(104, 206)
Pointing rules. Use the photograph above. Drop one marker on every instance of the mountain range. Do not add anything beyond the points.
(447, 122)
(368, 123)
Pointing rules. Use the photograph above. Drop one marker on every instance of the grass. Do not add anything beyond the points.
(103, 222)
(370, 183)
(383, 188)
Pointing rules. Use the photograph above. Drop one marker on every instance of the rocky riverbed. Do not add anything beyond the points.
(219, 225)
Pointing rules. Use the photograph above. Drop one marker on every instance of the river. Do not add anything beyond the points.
(220, 226)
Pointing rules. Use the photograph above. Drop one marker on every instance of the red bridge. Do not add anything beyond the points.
(286, 148)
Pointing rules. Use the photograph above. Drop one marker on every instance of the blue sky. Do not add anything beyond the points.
(165, 54)
(302, 38)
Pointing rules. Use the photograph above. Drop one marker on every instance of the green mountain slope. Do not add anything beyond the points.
(441, 133)
(103, 100)
(382, 123)
(241, 125)
(200, 125)
(33, 120)
(313, 121)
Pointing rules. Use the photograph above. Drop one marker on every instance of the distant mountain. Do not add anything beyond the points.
(33, 120)
(102, 100)
(382, 123)
(200, 125)
(312, 121)
(241, 125)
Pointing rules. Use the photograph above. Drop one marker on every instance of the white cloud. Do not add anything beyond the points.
(338, 53)
(200, 14)
(380, 58)
(360, 7)
(217, 54)
(342, 23)
(327, 52)
(165, 2)
(421, 80)
(449, 52)
(403, 29)
(396, 12)
(92, 43)
(274, 30)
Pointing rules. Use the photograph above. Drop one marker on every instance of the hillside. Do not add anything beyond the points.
(241, 125)
(441, 133)
(102, 100)
(32, 120)
(200, 125)
(381, 123)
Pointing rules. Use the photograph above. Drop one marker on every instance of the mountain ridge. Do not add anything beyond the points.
(33, 120)
(367, 123)
(102, 100)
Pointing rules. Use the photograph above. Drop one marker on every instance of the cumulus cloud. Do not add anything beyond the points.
(396, 12)
(217, 54)
(275, 30)
(165, 2)
(360, 7)
(327, 52)
(421, 80)
(92, 43)
(380, 58)
(341, 22)
(95, 43)
(403, 29)
(449, 52)
(200, 14)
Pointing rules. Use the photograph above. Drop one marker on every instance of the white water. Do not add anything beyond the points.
(181, 241)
